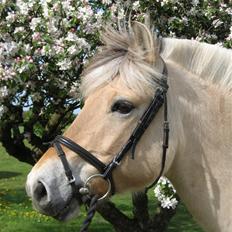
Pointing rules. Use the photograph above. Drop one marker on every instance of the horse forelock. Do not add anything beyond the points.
(129, 53)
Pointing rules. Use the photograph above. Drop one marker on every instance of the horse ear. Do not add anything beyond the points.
(146, 40)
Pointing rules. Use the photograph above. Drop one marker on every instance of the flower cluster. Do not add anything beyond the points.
(44, 45)
(205, 21)
(166, 194)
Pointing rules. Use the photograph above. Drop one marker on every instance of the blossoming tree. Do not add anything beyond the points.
(44, 45)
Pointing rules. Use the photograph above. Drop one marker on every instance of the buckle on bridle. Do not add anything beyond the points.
(72, 180)
(115, 162)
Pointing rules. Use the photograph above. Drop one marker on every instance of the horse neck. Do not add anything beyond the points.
(201, 119)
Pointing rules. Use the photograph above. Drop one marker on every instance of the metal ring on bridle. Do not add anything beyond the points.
(108, 181)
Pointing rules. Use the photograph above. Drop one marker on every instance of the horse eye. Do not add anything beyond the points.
(122, 107)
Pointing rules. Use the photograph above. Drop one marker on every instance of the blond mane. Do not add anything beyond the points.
(209, 62)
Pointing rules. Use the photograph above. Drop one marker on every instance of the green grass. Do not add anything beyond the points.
(17, 215)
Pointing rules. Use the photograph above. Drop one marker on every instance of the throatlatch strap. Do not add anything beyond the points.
(165, 144)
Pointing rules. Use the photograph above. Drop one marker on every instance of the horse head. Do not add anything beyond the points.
(118, 87)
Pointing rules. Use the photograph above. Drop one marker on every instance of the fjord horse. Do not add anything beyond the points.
(118, 86)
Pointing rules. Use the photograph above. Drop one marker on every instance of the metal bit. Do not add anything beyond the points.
(84, 191)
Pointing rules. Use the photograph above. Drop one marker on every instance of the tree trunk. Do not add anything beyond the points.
(141, 220)
(15, 147)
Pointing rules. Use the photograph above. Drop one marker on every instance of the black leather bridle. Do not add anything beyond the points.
(106, 170)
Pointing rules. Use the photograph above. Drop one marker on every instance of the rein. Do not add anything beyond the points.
(105, 170)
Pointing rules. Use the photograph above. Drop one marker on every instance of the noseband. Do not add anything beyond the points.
(106, 170)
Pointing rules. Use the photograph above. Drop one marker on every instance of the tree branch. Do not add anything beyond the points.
(120, 221)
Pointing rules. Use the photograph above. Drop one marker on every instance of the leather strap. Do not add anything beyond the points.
(84, 154)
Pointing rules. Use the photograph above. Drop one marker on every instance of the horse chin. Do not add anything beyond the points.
(69, 212)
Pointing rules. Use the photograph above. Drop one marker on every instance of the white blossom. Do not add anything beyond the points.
(34, 23)
(2, 110)
(172, 34)
(19, 30)
(23, 68)
(74, 90)
(67, 6)
(71, 37)
(107, 2)
(230, 35)
(73, 50)
(64, 64)
(136, 5)
(83, 44)
(195, 2)
(166, 198)
(121, 13)
(44, 4)
(169, 203)
(11, 17)
(228, 11)
(27, 48)
(217, 22)
(51, 25)
(24, 7)
(3, 91)
(185, 20)
(164, 2)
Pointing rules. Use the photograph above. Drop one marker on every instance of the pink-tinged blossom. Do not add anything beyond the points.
(7, 73)
(85, 13)
(8, 48)
(36, 36)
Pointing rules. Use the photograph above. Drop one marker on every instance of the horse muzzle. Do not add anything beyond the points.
(53, 196)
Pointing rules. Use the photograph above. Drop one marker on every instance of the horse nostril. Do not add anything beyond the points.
(40, 193)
